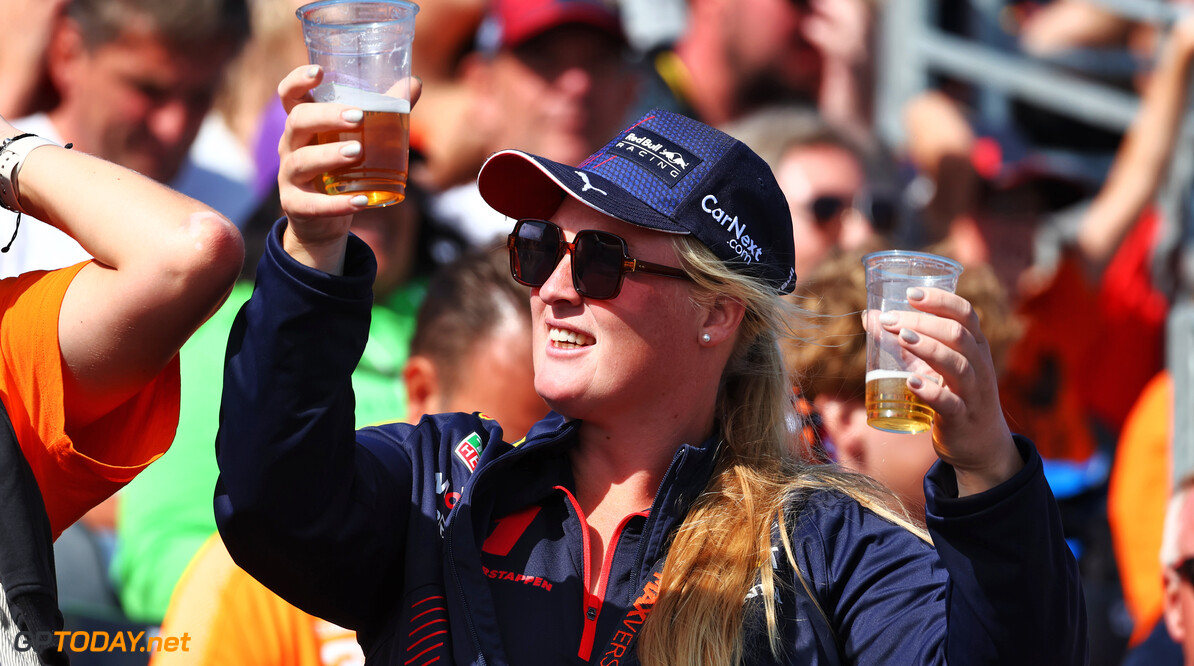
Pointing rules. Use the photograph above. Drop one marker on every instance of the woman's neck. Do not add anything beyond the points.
(625, 466)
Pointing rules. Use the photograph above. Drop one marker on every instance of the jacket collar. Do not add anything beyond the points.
(686, 477)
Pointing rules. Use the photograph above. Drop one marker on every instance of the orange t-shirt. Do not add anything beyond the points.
(230, 618)
(1141, 482)
(136, 433)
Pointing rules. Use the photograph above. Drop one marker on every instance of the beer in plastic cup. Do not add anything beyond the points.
(890, 405)
(364, 49)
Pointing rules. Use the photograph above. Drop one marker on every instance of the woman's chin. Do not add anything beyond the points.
(567, 401)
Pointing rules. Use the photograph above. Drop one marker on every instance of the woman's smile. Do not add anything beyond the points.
(565, 339)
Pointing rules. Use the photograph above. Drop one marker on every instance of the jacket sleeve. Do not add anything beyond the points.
(309, 507)
(1015, 593)
(1001, 586)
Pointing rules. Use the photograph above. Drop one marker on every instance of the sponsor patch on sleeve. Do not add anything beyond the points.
(469, 451)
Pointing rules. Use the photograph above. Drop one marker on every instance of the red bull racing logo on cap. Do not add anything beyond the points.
(661, 157)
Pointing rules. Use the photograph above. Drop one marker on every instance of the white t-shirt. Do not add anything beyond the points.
(218, 171)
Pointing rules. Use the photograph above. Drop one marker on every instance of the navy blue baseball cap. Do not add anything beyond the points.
(665, 172)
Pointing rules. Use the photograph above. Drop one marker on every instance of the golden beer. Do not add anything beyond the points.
(381, 173)
(891, 406)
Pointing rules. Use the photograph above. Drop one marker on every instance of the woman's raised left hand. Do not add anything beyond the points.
(969, 431)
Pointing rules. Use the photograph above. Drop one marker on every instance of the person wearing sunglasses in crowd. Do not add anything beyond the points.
(1177, 560)
(657, 514)
(830, 177)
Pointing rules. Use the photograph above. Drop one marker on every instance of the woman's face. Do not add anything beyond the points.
(599, 357)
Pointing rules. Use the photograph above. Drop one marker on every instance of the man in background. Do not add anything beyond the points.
(1177, 558)
(549, 77)
(738, 56)
(134, 81)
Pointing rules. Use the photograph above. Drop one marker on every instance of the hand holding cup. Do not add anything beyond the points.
(934, 340)
(318, 224)
(353, 146)
(364, 50)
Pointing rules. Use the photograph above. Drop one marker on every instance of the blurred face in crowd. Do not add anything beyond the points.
(1179, 588)
(899, 461)
(135, 101)
(765, 47)
(561, 94)
(1008, 223)
(821, 182)
(392, 233)
(498, 379)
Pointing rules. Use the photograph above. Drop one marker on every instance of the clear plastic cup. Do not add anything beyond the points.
(364, 49)
(890, 406)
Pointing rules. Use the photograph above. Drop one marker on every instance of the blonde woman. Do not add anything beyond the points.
(655, 515)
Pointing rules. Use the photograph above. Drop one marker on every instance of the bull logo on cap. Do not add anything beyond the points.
(674, 158)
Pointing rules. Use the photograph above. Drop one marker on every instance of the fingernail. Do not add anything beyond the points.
(351, 149)
(359, 200)
(353, 115)
(888, 318)
(914, 381)
(915, 293)
(312, 71)
(908, 335)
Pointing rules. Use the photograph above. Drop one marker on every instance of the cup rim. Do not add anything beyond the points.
(945, 262)
(306, 9)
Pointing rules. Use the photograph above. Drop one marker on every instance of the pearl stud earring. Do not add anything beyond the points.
(706, 338)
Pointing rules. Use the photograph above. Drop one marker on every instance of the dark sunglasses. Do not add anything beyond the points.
(1185, 569)
(880, 212)
(599, 259)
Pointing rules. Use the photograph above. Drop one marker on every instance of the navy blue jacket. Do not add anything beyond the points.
(442, 541)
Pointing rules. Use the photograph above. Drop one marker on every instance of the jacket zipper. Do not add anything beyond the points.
(651, 520)
(468, 615)
(594, 602)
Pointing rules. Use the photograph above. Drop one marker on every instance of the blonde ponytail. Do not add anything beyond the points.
(723, 547)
